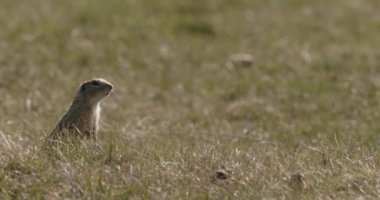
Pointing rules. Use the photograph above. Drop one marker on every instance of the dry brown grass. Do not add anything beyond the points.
(184, 122)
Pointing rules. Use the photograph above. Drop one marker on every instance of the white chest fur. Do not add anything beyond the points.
(95, 117)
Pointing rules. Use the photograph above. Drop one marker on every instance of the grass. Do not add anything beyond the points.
(300, 123)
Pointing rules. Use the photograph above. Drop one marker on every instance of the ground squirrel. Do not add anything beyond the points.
(82, 117)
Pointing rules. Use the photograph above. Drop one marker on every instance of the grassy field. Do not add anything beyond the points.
(301, 122)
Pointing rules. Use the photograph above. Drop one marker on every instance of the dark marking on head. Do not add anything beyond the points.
(95, 82)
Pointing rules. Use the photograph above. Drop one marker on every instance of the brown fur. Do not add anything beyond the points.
(82, 117)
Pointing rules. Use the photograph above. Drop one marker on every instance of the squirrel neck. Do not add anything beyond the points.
(81, 102)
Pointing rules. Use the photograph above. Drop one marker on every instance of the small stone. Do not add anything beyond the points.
(297, 179)
(240, 60)
(221, 174)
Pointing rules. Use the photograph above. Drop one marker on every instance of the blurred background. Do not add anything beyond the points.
(286, 69)
(213, 99)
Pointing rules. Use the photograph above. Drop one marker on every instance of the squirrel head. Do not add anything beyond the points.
(95, 90)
